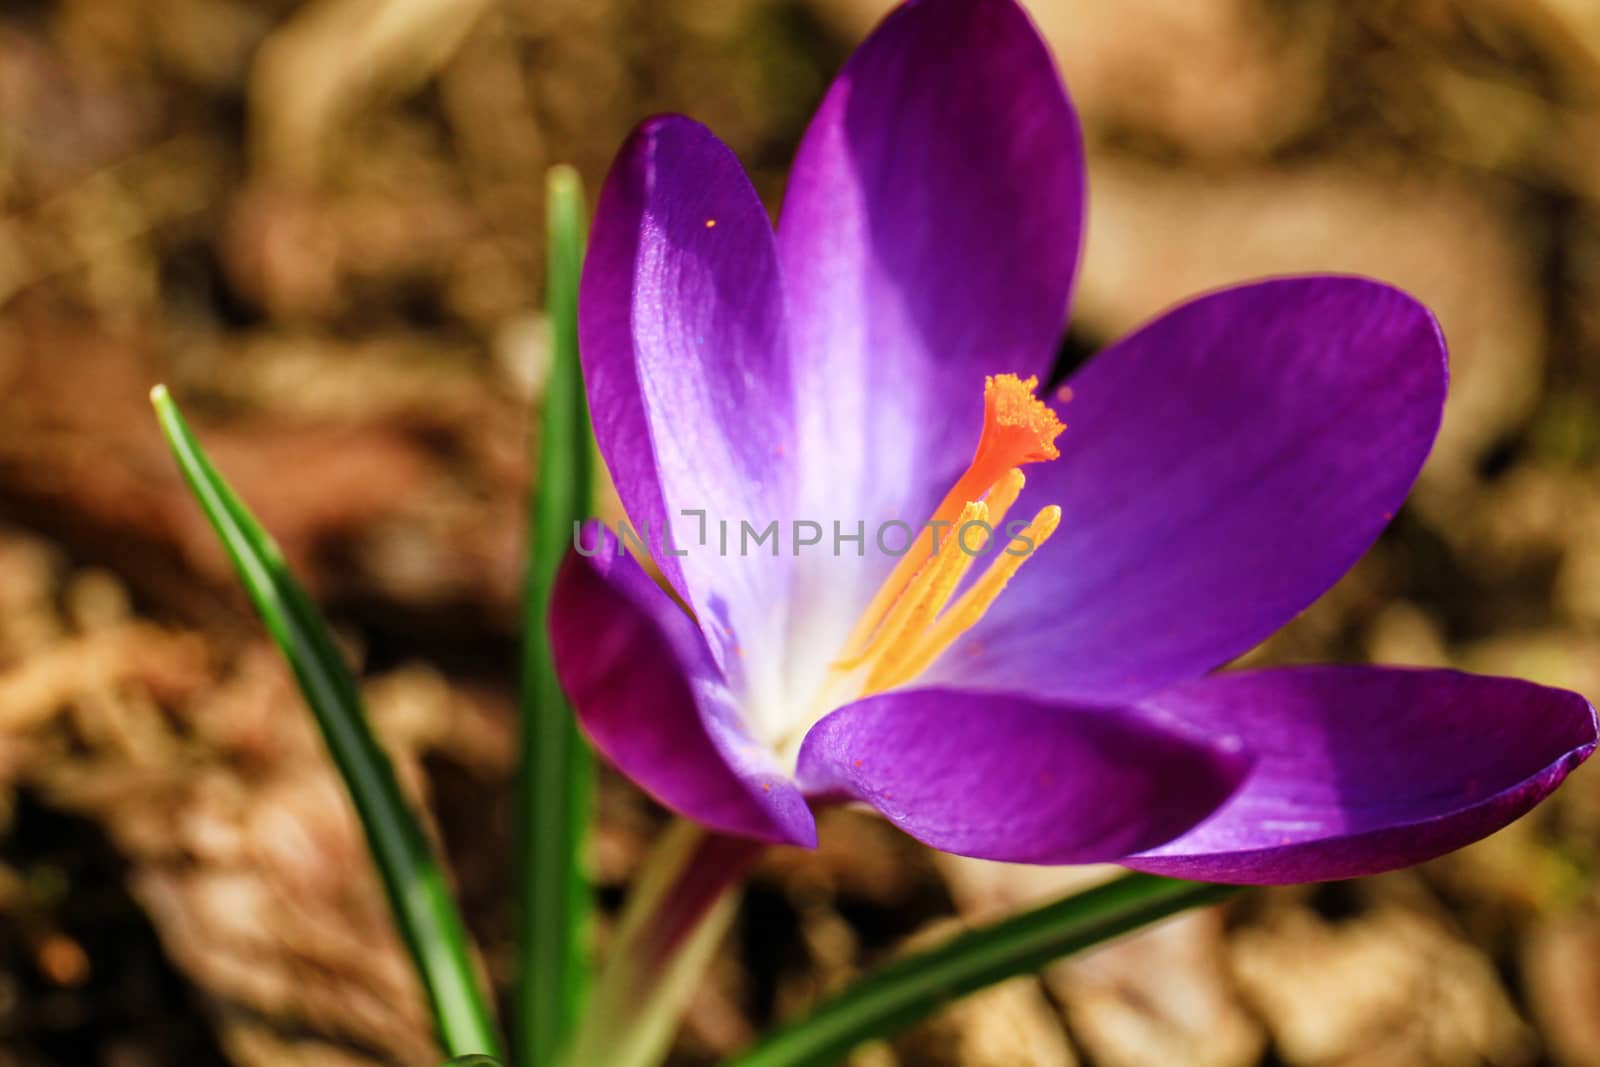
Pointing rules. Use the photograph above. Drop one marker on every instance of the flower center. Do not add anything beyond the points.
(915, 615)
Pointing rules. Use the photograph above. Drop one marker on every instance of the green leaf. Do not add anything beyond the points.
(556, 781)
(472, 1061)
(424, 911)
(914, 987)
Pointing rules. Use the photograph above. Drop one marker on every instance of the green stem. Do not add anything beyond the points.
(680, 908)
(912, 988)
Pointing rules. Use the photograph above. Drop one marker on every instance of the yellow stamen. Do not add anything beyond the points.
(1018, 428)
(1003, 495)
(922, 599)
(950, 565)
(912, 621)
(965, 613)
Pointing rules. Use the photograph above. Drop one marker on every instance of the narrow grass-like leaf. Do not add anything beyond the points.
(912, 988)
(472, 1061)
(424, 911)
(556, 778)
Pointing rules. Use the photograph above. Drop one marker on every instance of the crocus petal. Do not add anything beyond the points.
(1221, 468)
(685, 354)
(650, 697)
(928, 237)
(1017, 779)
(1362, 770)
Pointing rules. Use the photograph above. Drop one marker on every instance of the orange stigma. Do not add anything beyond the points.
(1018, 427)
(911, 620)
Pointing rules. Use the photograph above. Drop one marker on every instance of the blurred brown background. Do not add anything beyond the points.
(320, 222)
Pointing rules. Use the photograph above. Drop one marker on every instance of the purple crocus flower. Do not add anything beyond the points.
(871, 365)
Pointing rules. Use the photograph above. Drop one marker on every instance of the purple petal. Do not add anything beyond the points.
(685, 354)
(1362, 770)
(1221, 468)
(1008, 778)
(929, 237)
(650, 697)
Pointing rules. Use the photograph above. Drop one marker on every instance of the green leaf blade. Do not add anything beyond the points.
(556, 780)
(914, 987)
(419, 895)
